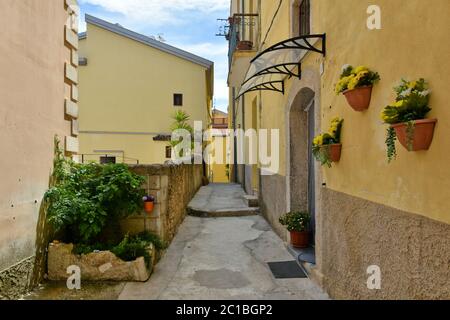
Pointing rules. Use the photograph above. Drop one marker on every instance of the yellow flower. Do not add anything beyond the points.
(399, 104)
(412, 84)
(353, 83)
(360, 69)
(318, 141)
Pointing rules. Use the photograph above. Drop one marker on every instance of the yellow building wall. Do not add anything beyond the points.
(127, 88)
(219, 164)
(407, 46)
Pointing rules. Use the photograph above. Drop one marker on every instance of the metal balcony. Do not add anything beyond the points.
(243, 34)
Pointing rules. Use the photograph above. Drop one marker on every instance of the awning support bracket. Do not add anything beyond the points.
(269, 86)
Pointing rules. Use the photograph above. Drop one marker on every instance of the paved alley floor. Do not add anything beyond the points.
(219, 200)
(222, 258)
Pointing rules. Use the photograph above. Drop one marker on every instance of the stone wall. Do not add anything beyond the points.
(412, 251)
(173, 186)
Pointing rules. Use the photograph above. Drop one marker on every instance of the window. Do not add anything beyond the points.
(305, 28)
(107, 160)
(178, 99)
(168, 152)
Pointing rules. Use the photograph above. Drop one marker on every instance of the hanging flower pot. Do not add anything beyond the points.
(407, 118)
(334, 151)
(359, 98)
(149, 204)
(327, 147)
(415, 135)
(356, 84)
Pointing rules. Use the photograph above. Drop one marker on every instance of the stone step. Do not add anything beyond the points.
(226, 212)
(252, 201)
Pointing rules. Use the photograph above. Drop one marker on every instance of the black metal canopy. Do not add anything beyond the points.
(269, 68)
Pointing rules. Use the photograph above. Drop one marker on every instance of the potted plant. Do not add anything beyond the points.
(297, 223)
(149, 203)
(245, 45)
(327, 147)
(356, 84)
(406, 117)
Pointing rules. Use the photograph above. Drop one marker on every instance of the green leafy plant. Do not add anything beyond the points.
(352, 78)
(296, 221)
(181, 122)
(411, 103)
(89, 197)
(322, 143)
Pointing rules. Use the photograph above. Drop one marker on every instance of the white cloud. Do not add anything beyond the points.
(206, 49)
(159, 12)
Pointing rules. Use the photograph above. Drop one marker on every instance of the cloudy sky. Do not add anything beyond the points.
(187, 24)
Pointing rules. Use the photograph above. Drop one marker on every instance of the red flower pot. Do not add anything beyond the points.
(334, 151)
(359, 98)
(245, 45)
(422, 137)
(300, 239)
(149, 206)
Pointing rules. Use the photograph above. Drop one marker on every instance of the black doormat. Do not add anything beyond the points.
(286, 270)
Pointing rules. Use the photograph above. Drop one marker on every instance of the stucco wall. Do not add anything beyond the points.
(34, 51)
(412, 251)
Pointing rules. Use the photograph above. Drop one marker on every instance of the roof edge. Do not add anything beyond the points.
(115, 28)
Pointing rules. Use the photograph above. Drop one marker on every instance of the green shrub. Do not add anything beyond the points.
(88, 197)
(132, 248)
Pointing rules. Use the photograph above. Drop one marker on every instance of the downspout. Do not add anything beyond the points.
(234, 133)
(243, 128)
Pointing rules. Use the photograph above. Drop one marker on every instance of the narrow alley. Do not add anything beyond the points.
(222, 258)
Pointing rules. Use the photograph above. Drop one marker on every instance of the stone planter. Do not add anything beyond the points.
(101, 266)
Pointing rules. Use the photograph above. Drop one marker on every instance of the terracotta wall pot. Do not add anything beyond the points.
(423, 134)
(335, 151)
(300, 239)
(359, 98)
(245, 45)
(148, 207)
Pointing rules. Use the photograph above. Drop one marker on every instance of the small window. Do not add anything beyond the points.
(178, 99)
(305, 16)
(107, 160)
(168, 152)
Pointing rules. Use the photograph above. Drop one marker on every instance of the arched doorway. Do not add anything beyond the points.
(301, 131)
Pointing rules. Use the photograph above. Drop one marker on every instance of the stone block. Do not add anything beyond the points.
(154, 182)
(71, 37)
(164, 182)
(101, 266)
(71, 73)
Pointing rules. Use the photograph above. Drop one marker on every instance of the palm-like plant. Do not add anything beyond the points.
(181, 122)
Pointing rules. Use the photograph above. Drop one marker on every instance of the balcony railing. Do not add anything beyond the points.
(243, 34)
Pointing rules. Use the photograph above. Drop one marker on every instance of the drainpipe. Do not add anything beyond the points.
(234, 133)
(244, 167)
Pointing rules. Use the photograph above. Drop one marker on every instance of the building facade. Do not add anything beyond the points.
(219, 169)
(366, 212)
(131, 86)
(38, 90)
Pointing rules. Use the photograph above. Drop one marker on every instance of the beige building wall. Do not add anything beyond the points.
(36, 49)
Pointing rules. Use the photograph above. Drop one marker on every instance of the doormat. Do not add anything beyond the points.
(286, 270)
